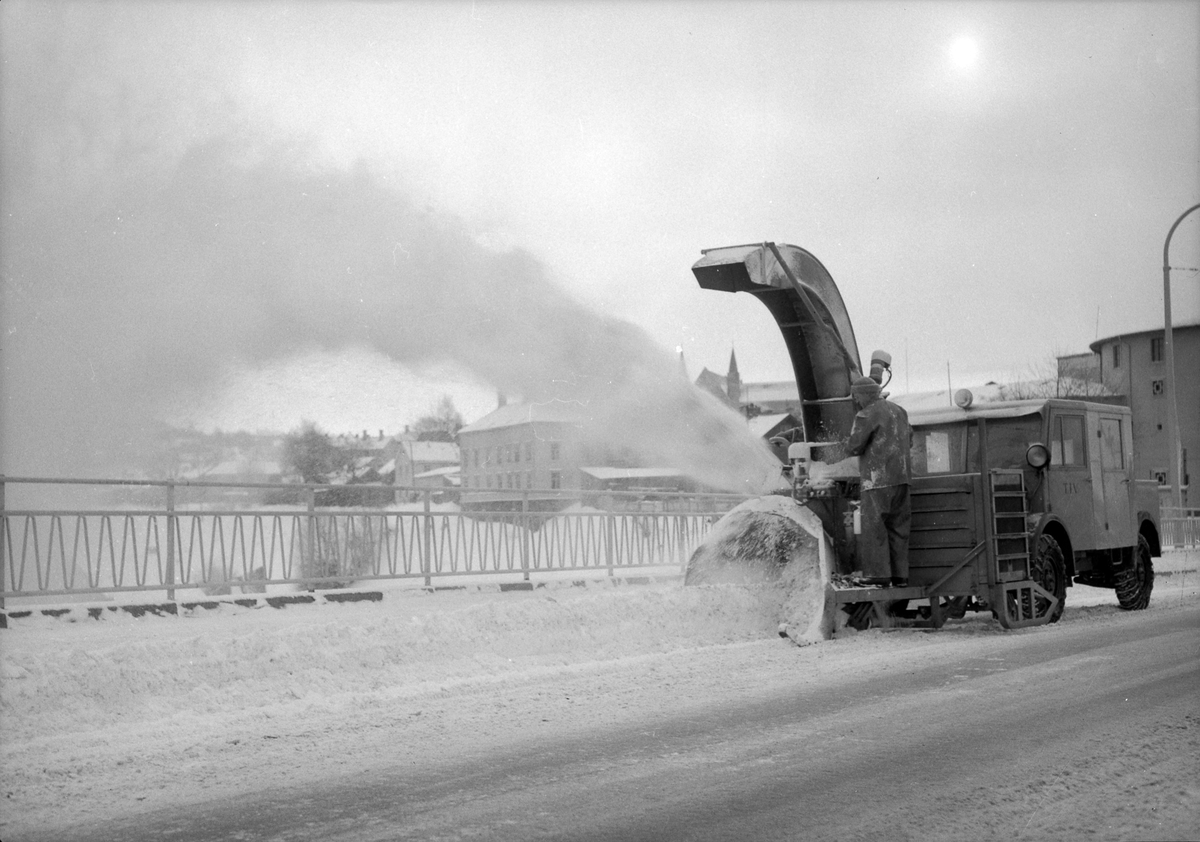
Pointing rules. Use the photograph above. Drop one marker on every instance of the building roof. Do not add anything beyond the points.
(450, 474)
(774, 390)
(515, 414)
(1175, 326)
(761, 425)
(430, 451)
(630, 473)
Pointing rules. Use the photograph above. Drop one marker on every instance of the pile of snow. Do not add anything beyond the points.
(774, 542)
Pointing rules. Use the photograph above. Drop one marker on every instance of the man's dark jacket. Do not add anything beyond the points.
(882, 437)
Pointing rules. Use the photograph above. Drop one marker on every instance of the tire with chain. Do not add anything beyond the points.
(1048, 569)
(1134, 583)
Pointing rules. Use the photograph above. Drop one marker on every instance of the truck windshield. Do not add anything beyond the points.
(1009, 438)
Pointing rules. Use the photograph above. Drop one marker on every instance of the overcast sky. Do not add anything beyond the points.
(989, 184)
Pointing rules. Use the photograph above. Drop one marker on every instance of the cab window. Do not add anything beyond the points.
(938, 450)
(1009, 438)
(1067, 442)
(1112, 452)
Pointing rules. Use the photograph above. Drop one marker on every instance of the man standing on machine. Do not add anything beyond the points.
(882, 437)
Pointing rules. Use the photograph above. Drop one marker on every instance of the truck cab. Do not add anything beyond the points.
(1014, 501)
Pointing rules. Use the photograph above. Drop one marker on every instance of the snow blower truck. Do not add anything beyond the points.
(1012, 501)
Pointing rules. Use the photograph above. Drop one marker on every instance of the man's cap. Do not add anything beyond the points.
(864, 386)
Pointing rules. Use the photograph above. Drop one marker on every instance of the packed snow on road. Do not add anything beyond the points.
(124, 714)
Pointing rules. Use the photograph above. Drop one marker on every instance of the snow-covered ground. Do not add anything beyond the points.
(104, 717)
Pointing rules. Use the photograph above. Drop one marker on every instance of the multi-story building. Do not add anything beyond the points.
(522, 447)
(1134, 365)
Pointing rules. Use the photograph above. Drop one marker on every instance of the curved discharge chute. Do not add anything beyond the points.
(802, 297)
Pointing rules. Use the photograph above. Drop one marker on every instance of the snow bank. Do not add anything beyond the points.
(60, 676)
(119, 671)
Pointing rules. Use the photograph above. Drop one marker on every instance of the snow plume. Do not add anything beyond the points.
(137, 275)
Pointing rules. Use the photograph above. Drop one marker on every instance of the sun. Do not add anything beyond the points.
(964, 52)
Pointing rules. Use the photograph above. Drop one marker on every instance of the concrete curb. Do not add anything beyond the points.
(73, 613)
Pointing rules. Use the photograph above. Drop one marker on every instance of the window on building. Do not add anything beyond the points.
(1160, 475)
(528, 451)
(1156, 349)
(1157, 387)
(554, 451)
(555, 479)
(1066, 445)
(529, 479)
(1116, 356)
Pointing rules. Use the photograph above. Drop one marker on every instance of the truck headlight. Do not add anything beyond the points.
(1037, 455)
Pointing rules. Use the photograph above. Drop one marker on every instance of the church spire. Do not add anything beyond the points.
(733, 380)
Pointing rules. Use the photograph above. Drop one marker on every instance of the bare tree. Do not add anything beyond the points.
(311, 453)
(1049, 378)
(444, 420)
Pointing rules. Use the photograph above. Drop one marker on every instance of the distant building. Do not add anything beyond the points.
(522, 451)
(1134, 365)
(407, 459)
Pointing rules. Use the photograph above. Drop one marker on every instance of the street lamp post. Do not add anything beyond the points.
(1175, 466)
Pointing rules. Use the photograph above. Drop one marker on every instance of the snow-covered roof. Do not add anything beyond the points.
(513, 414)
(448, 471)
(630, 473)
(774, 391)
(760, 425)
(430, 451)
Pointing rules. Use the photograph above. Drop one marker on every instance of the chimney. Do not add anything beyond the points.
(381, 435)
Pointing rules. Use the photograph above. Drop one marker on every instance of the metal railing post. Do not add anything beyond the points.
(3, 541)
(427, 544)
(308, 560)
(610, 544)
(170, 541)
(528, 537)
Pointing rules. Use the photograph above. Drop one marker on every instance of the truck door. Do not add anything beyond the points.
(1117, 480)
(1072, 494)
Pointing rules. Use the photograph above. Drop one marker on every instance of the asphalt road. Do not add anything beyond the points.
(1079, 732)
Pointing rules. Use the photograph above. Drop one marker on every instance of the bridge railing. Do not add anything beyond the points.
(1180, 528)
(137, 536)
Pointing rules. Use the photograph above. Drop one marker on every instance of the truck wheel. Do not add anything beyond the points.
(1134, 583)
(1048, 569)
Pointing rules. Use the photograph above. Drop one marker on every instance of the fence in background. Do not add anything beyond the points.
(217, 537)
(1180, 528)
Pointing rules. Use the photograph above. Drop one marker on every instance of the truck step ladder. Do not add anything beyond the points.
(1022, 602)
(1010, 531)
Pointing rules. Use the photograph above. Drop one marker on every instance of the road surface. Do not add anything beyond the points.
(1085, 730)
